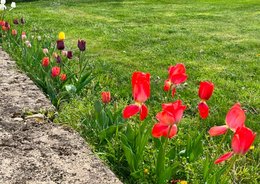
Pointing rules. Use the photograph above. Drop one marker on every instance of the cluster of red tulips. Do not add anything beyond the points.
(172, 113)
(243, 137)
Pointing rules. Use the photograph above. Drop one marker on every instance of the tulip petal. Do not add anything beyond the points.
(179, 78)
(242, 140)
(224, 157)
(160, 129)
(235, 117)
(205, 90)
(141, 86)
(144, 112)
(165, 118)
(172, 132)
(218, 130)
(130, 111)
(203, 110)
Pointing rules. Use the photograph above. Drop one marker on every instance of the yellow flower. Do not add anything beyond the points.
(61, 36)
(258, 55)
(183, 182)
(252, 147)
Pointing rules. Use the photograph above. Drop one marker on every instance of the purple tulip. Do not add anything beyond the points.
(69, 54)
(82, 45)
(60, 44)
(15, 21)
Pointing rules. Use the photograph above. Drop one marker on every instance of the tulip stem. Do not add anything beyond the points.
(80, 66)
(231, 165)
(222, 140)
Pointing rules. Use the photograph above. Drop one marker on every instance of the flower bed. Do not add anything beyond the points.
(143, 150)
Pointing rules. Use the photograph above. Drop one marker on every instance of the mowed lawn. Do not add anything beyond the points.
(216, 40)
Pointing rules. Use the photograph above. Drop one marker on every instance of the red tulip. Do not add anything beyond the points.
(45, 61)
(177, 75)
(241, 142)
(141, 92)
(55, 71)
(235, 118)
(168, 119)
(203, 110)
(205, 90)
(63, 77)
(174, 110)
(105, 96)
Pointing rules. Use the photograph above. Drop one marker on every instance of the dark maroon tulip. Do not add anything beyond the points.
(58, 59)
(69, 54)
(82, 45)
(60, 44)
(15, 21)
(22, 20)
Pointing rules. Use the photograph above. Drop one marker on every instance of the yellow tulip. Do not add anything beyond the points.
(183, 182)
(61, 36)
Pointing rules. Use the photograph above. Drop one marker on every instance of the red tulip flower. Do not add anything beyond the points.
(141, 92)
(168, 119)
(177, 75)
(241, 142)
(203, 110)
(106, 97)
(235, 119)
(55, 71)
(205, 90)
(63, 77)
(45, 61)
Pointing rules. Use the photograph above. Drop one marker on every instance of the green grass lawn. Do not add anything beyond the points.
(216, 40)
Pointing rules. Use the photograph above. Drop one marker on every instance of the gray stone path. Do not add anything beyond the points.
(34, 151)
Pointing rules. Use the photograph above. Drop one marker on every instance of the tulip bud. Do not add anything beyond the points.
(63, 77)
(45, 61)
(22, 20)
(15, 21)
(13, 5)
(14, 32)
(69, 55)
(58, 59)
(28, 44)
(55, 71)
(61, 36)
(82, 45)
(64, 53)
(45, 50)
(23, 35)
(105, 96)
(60, 44)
